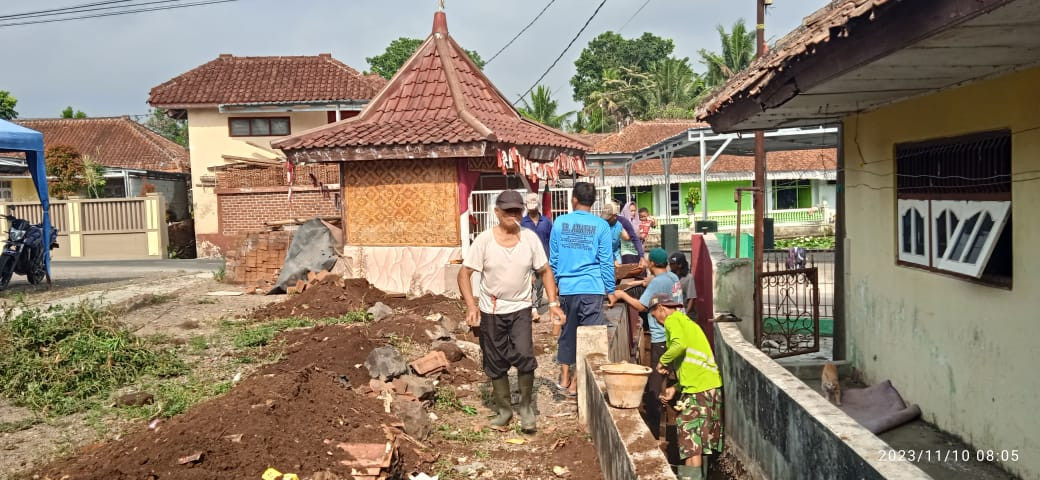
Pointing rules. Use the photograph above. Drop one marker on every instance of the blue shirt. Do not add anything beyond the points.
(580, 255)
(543, 229)
(666, 282)
(615, 232)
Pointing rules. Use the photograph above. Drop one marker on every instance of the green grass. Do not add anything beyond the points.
(261, 335)
(176, 397)
(19, 425)
(452, 433)
(446, 399)
(811, 243)
(68, 358)
(198, 343)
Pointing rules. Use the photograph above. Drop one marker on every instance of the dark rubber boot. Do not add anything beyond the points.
(500, 393)
(528, 417)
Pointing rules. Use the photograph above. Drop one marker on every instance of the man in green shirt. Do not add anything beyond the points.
(700, 404)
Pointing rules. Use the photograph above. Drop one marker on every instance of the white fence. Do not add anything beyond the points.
(482, 208)
(728, 220)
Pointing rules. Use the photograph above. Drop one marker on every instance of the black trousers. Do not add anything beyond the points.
(652, 406)
(505, 340)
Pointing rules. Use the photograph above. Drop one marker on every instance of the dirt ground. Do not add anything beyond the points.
(287, 412)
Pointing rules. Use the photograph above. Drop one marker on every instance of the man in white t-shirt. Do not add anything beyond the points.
(507, 256)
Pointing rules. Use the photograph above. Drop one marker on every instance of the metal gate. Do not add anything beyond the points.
(482, 207)
(789, 321)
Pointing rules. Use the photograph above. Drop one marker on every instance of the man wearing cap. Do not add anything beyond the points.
(664, 282)
(579, 251)
(541, 225)
(625, 242)
(506, 256)
(700, 404)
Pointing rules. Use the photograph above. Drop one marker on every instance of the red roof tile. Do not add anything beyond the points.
(237, 80)
(438, 97)
(790, 161)
(117, 142)
(639, 135)
(820, 27)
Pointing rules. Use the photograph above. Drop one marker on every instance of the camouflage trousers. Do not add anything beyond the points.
(700, 423)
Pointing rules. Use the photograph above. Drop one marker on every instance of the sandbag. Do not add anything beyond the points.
(313, 249)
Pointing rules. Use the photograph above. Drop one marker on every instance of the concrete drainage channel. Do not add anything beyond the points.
(779, 427)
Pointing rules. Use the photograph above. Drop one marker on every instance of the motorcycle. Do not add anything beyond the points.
(23, 251)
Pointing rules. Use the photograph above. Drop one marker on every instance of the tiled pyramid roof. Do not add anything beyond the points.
(241, 80)
(439, 97)
(641, 134)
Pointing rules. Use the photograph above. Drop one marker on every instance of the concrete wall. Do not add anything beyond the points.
(780, 428)
(624, 445)
(964, 352)
(209, 139)
(734, 290)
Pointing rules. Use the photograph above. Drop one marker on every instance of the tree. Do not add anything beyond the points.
(542, 108)
(672, 89)
(738, 50)
(399, 51)
(93, 177)
(611, 52)
(7, 103)
(68, 113)
(159, 121)
(66, 169)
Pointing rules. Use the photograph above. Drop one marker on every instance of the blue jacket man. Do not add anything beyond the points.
(580, 253)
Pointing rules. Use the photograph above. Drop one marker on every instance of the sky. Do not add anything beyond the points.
(106, 66)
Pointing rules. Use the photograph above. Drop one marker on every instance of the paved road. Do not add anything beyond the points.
(71, 277)
(121, 269)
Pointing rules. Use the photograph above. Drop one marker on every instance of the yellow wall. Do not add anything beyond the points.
(966, 353)
(209, 139)
(23, 190)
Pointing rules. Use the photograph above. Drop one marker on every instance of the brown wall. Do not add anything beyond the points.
(245, 211)
(402, 202)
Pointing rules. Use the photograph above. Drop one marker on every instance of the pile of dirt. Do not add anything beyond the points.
(334, 297)
(278, 420)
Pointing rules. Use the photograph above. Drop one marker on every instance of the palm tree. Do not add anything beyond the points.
(738, 50)
(672, 89)
(542, 108)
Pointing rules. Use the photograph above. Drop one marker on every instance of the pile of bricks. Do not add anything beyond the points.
(257, 259)
(312, 279)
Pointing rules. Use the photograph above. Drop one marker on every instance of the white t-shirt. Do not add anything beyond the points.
(505, 280)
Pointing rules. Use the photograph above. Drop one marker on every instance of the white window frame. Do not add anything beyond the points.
(997, 211)
(921, 206)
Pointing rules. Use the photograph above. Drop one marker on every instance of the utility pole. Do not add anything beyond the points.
(759, 194)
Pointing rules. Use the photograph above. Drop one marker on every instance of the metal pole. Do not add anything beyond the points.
(628, 181)
(760, 178)
(667, 160)
(704, 180)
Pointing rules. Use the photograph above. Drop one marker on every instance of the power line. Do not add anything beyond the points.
(521, 32)
(122, 12)
(15, 15)
(82, 9)
(647, 2)
(564, 52)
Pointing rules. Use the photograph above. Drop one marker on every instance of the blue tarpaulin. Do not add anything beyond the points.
(16, 138)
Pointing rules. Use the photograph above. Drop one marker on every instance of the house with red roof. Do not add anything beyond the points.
(234, 107)
(798, 180)
(136, 160)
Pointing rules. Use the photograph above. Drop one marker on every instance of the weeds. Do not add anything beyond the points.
(66, 358)
(220, 273)
(19, 425)
(452, 433)
(448, 400)
(174, 398)
(198, 343)
(261, 335)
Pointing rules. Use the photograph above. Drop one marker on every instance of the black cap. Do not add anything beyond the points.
(677, 258)
(665, 299)
(510, 200)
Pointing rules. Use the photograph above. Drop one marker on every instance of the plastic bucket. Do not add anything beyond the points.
(625, 383)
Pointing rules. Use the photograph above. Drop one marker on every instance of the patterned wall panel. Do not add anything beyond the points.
(402, 202)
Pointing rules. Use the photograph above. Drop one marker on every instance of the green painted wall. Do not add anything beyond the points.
(646, 200)
(720, 196)
(805, 198)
